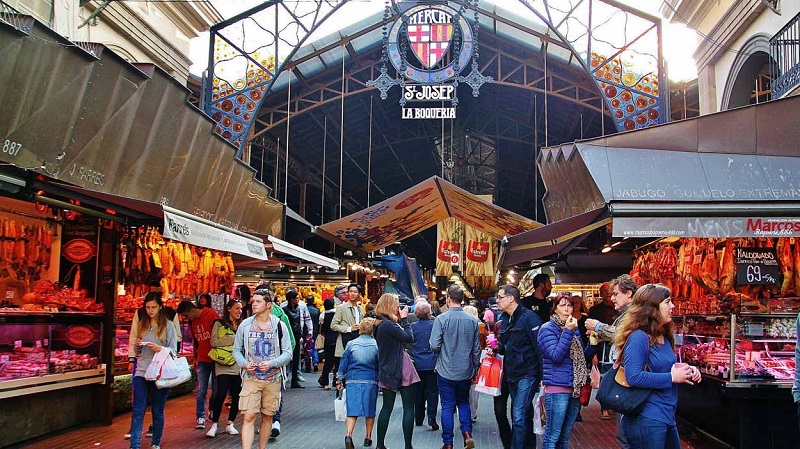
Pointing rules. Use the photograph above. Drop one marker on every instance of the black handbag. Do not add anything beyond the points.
(615, 393)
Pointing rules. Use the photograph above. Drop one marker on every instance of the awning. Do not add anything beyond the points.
(551, 239)
(711, 165)
(187, 228)
(93, 120)
(417, 209)
(278, 245)
(731, 174)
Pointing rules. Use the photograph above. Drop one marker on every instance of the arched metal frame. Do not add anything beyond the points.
(612, 42)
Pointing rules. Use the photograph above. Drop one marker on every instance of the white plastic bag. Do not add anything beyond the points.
(340, 405)
(181, 365)
(153, 371)
(538, 414)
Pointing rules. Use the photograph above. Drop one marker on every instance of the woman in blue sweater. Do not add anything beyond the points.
(647, 350)
(564, 372)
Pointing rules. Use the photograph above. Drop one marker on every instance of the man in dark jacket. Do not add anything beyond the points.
(292, 311)
(459, 358)
(538, 302)
(522, 368)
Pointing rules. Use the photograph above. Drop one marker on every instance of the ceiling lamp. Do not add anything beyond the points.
(606, 248)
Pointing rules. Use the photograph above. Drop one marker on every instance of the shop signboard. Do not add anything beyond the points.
(706, 227)
(756, 266)
(183, 229)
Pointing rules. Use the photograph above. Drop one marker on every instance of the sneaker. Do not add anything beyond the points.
(212, 432)
(200, 424)
(127, 436)
(229, 429)
(300, 378)
(276, 430)
(149, 433)
(604, 415)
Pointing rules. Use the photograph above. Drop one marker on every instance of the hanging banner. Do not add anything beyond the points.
(448, 247)
(183, 229)
(478, 256)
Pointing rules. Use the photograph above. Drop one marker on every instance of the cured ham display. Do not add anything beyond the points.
(702, 274)
(179, 268)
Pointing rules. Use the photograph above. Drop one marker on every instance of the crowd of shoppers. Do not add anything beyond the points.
(431, 364)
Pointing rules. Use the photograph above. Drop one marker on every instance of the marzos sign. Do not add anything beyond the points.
(429, 46)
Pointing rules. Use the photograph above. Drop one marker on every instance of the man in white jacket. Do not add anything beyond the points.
(262, 350)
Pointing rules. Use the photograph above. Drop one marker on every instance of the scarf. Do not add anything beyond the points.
(580, 373)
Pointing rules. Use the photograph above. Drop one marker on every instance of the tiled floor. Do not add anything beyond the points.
(308, 422)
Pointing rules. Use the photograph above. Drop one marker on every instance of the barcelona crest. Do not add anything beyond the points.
(430, 44)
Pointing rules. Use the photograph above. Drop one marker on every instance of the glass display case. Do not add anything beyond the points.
(763, 346)
(56, 349)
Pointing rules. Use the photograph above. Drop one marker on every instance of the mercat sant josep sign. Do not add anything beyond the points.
(429, 45)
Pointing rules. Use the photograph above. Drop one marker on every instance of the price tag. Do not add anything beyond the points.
(3, 358)
(17, 344)
(45, 342)
(38, 344)
(756, 266)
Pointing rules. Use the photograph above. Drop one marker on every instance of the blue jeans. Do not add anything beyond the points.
(454, 393)
(205, 371)
(522, 392)
(141, 388)
(647, 433)
(562, 409)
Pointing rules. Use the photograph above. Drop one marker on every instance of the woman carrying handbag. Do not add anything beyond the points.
(396, 372)
(155, 333)
(647, 351)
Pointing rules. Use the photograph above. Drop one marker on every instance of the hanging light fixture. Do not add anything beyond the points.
(606, 248)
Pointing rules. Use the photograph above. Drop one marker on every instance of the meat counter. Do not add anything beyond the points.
(748, 366)
(41, 351)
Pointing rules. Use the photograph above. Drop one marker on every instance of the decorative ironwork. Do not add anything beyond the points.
(784, 48)
(618, 46)
(621, 48)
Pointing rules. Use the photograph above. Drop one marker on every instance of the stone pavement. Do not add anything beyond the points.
(308, 422)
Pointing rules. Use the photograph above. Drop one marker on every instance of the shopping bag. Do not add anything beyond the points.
(319, 343)
(153, 371)
(184, 373)
(538, 413)
(595, 376)
(490, 374)
(340, 405)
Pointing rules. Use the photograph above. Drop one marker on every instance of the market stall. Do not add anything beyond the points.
(720, 199)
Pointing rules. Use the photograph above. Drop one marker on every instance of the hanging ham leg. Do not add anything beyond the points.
(727, 276)
(786, 259)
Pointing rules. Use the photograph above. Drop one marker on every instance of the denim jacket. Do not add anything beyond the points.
(424, 357)
(359, 362)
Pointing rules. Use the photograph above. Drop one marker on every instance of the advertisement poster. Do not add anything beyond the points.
(478, 255)
(78, 268)
(448, 246)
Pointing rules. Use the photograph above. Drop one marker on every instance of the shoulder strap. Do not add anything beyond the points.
(280, 338)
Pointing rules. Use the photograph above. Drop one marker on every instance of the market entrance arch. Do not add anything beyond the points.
(556, 77)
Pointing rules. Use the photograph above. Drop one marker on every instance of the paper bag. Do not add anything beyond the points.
(340, 406)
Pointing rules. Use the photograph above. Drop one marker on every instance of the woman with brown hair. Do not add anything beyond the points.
(646, 346)
(155, 333)
(396, 372)
(223, 335)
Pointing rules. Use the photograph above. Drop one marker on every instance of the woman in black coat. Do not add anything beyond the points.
(396, 373)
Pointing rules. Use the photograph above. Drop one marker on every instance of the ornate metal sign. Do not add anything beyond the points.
(429, 46)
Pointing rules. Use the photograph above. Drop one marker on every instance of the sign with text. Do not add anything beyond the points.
(182, 229)
(756, 266)
(706, 227)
